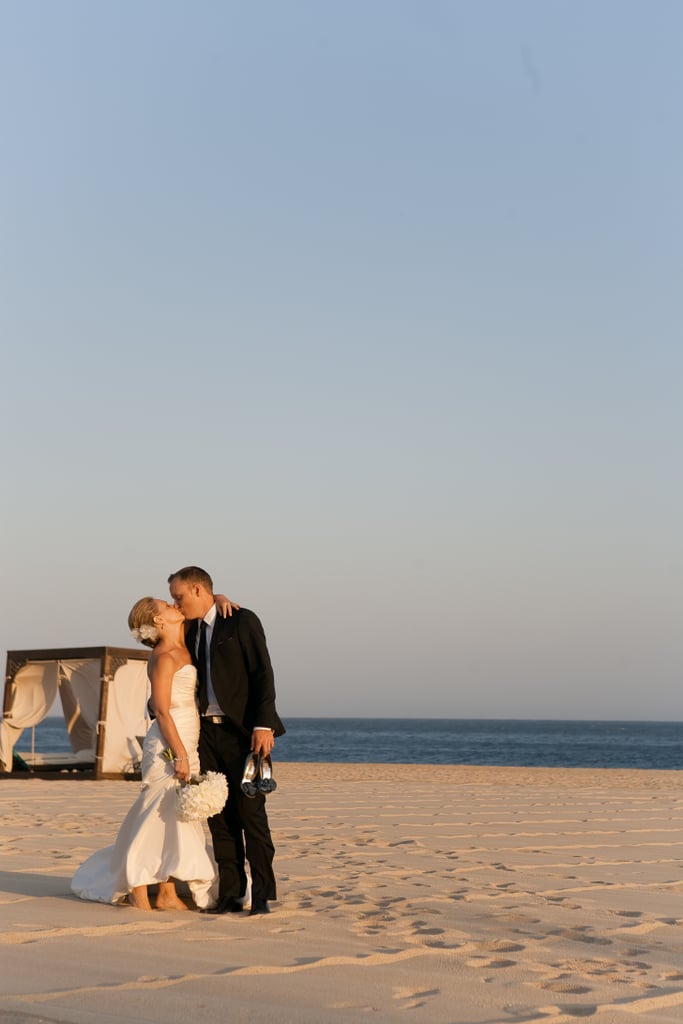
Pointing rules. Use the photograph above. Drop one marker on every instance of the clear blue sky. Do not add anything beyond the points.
(373, 310)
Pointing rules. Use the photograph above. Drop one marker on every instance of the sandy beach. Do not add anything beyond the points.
(441, 894)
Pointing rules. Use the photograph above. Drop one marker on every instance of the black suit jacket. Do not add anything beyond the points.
(241, 672)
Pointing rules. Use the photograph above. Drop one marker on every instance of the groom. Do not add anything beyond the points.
(237, 714)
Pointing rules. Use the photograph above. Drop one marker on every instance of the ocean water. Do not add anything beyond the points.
(454, 741)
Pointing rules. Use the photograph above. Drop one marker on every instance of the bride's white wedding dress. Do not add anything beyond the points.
(152, 845)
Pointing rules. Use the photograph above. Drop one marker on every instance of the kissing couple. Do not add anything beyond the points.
(213, 700)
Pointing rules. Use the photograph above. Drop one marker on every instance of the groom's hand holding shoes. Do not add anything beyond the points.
(262, 741)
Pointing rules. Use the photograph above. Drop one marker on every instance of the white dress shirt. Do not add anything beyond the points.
(213, 707)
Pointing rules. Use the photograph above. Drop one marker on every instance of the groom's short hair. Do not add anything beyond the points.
(192, 574)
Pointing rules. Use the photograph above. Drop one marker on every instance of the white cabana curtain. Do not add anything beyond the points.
(126, 717)
(79, 691)
(35, 691)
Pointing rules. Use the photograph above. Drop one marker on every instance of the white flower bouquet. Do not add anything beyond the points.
(202, 797)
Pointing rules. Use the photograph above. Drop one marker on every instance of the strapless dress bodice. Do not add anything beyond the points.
(184, 688)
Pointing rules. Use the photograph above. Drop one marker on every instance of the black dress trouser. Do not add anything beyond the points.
(242, 826)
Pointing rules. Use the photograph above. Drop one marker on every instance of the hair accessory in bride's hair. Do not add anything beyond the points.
(145, 632)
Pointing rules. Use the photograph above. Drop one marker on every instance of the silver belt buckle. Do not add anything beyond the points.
(216, 719)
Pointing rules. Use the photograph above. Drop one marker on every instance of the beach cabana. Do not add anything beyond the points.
(103, 695)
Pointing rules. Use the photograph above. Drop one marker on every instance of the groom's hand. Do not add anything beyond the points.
(262, 741)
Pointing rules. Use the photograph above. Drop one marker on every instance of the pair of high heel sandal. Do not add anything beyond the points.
(257, 776)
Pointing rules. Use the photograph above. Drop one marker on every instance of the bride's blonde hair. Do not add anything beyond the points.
(141, 621)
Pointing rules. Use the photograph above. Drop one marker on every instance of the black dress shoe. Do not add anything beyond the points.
(249, 775)
(266, 783)
(226, 905)
(259, 907)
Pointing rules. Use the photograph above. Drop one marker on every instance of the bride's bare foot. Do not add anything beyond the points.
(164, 903)
(168, 898)
(138, 898)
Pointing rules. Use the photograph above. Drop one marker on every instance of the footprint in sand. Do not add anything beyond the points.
(500, 946)
(576, 1011)
(413, 999)
(637, 965)
(565, 988)
(488, 963)
(583, 935)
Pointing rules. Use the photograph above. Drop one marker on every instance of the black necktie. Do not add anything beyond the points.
(201, 668)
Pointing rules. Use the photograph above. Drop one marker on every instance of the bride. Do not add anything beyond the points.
(153, 846)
